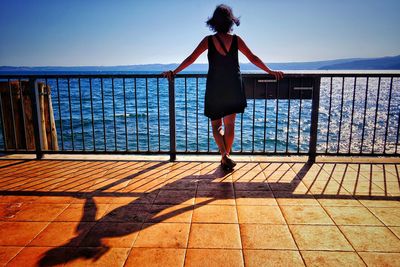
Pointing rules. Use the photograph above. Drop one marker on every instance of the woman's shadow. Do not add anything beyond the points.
(136, 212)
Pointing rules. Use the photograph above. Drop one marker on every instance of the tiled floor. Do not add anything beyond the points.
(192, 213)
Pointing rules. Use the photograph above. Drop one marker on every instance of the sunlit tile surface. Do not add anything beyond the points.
(192, 213)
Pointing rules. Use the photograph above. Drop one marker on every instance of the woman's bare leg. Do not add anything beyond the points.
(229, 123)
(218, 137)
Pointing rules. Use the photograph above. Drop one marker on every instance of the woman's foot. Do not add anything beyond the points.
(227, 163)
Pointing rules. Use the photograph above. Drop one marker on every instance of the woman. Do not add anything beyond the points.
(224, 93)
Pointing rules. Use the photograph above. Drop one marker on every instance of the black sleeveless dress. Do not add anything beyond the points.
(224, 89)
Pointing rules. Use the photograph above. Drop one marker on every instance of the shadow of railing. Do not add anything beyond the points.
(169, 185)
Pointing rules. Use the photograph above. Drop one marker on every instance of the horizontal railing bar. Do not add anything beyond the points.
(202, 75)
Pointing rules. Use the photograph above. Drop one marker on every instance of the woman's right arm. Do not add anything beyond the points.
(256, 60)
(203, 46)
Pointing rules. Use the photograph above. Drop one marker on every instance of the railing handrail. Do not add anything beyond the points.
(289, 73)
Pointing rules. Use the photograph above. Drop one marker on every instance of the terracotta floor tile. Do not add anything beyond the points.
(183, 172)
(121, 235)
(153, 174)
(98, 257)
(214, 214)
(215, 197)
(214, 236)
(255, 258)
(145, 185)
(280, 177)
(109, 184)
(41, 184)
(126, 213)
(269, 168)
(54, 200)
(352, 216)
(313, 176)
(396, 231)
(75, 184)
(260, 214)
(170, 213)
(18, 199)
(214, 257)
(329, 188)
(380, 203)
(244, 174)
(163, 235)
(392, 188)
(251, 186)
(125, 200)
(149, 257)
(182, 184)
(337, 202)
(389, 216)
(183, 197)
(66, 234)
(103, 199)
(211, 169)
(319, 237)
(292, 199)
(39, 212)
(7, 253)
(288, 186)
(41, 256)
(262, 236)
(186, 165)
(364, 187)
(19, 233)
(76, 212)
(139, 198)
(8, 211)
(331, 258)
(214, 186)
(381, 259)
(370, 238)
(306, 215)
(275, 166)
(255, 198)
(151, 165)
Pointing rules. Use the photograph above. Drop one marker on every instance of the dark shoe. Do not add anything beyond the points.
(229, 163)
(225, 167)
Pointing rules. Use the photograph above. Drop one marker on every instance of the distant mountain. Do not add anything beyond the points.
(383, 63)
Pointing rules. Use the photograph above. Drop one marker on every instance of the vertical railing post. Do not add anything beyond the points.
(35, 116)
(314, 120)
(172, 122)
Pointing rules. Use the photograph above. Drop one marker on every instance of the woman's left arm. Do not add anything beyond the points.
(256, 60)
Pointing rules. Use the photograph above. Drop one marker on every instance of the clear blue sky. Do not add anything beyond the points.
(87, 33)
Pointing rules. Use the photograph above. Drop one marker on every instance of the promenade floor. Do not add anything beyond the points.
(267, 212)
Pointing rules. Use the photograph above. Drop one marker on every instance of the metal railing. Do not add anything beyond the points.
(303, 114)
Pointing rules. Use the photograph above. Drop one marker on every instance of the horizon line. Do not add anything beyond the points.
(144, 64)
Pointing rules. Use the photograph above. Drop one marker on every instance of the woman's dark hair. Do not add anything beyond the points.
(222, 19)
